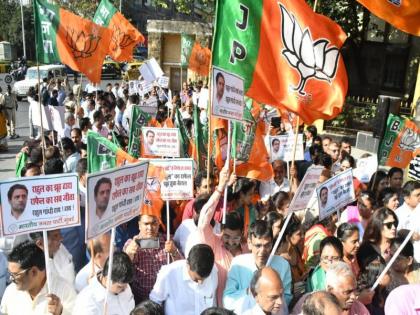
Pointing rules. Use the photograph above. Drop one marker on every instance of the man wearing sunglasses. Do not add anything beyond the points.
(28, 294)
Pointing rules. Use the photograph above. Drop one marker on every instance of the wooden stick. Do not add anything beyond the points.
(92, 258)
(228, 164)
(109, 275)
(40, 114)
(168, 229)
(277, 243)
(294, 150)
(47, 260)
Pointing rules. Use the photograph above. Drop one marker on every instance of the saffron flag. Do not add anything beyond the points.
(63, 37)
(153, 202)
(287, 55)
(124, 35)
(402, 14)
(103, 154)
(401, 142)
(200, 60)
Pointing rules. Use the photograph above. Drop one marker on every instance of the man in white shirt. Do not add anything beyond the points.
(276, 184)
(101, 254)
(61, 261)
(409, 214)
(189, 286)
(98, 124)
(28, 294)
(265, 294)
(69, 122)
(91, 299)
(70, 154)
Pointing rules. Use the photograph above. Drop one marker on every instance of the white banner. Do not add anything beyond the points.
(144, 87)
(45, 114)
(228, 95)
(163, 82)
(57, 119)
(335, 193)
(150, 70)
(161, 141)
(149, 105)
(39, 203)
(306, 188)
(178, 182)
(114, 197)
(281, 148)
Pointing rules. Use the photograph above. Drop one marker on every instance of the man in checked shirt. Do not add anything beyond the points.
(147, 260)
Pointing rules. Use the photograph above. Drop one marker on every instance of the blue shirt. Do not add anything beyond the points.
(241, 272)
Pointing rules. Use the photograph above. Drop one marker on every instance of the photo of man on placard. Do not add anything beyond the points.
(220, 87)
(149, 145)
(17, 196)
(102, 194)
(323, 196)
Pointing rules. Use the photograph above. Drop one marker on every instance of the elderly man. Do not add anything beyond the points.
(187, 287)
(321, 302)
(260, 243)
(148, 251)
(92, 298)
(276, 184)
(28, 294)
(265, 295)
(341, 282)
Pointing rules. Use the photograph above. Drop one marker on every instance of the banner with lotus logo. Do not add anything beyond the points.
(63, 37)
(288, 56)
(124, 35)
(400, 144)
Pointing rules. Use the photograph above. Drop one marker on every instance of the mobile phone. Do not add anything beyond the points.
(275, 122)
(147, 243)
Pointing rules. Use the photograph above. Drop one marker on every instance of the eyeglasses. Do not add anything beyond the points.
(389, 225)
(231, 238)
(13, 276)
(331, 259)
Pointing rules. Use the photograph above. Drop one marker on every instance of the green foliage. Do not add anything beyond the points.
(355, 115)
(84, 8)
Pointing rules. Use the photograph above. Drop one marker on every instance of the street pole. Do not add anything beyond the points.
(23, 30)
(120, 5)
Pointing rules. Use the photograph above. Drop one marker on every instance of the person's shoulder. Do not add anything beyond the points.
(358, 308)
(280, 262)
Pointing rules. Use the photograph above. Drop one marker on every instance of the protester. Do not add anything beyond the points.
(348, 234)
(388, 198)
(148, 261)
(395, 175)
(321, 302)
(378, 182)
(403, 300)
(119, 298)
(275, 222)
(331, 252)
(187, 286)
(260, 243)
(276, 184)
(28, 293)
(148, 307)
(70, 154)
(380, 232)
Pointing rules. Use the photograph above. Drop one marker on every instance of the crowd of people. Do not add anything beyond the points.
(320, 266)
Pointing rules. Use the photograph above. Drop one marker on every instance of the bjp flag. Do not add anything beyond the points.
(153, 202)
(63, 37)
(402, 14)
(200, 60)
(286, 54)
(124, 35)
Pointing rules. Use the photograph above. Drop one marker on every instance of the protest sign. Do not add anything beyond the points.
(150, 70)
(132, 87)
(144, 87)
(45, 114)
(150, 105)
(228, 95)
(161, 141)
(281, 148)
(114, 197)
(39, 203)
(57, 118)
(163, 82)
(335, 193)
(178, 182)
(203, 98)
(365, 168)
(306, 188)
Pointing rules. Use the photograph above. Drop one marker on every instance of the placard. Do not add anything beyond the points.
(39, 203)
(150, 70)
(114, 197)
(178, 182)
(132, 87)
(150, 105)
(335, 193)
(161, 141)
(57, 118)
(228, 95)
(306, 188)
(45, 114)
(144, 87)
(365, 168)
(281, 148)
(163, 82)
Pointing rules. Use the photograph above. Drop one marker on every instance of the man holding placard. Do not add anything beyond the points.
(28, 292)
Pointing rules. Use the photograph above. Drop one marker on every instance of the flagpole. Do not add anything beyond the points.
(227, 163)
(109, 275)
(168, 229)
(23, 30)
(294, 151)
(47, 260)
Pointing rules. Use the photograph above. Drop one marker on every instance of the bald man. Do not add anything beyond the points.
(265, 294)
(321, 302)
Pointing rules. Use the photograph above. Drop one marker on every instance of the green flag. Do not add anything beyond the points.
(20, 163)
(138, 120)
(200, 139)
(103, 154)
(243, 134)
(104, 13)
(183, 135)
(187, 42)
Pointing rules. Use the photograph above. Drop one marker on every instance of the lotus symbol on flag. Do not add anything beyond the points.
(410, 140)
(82, 45)
(120, 39)
(311, 59)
